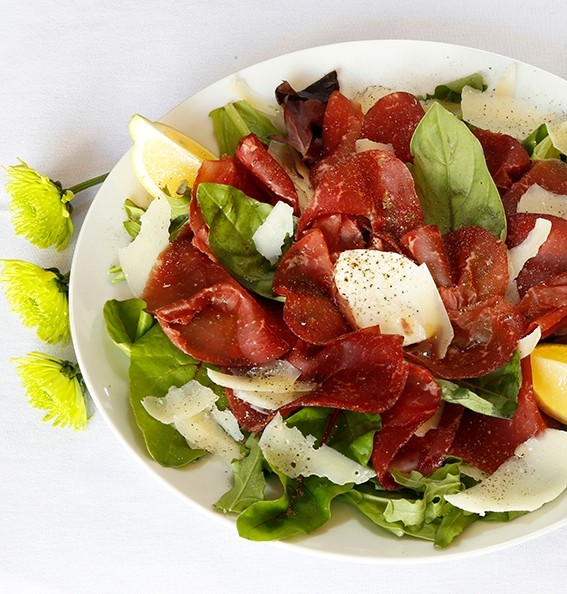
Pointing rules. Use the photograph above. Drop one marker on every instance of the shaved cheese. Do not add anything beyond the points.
(266, 387)
(138, 258)
(203, 432)
(293, 454)
(529, 342)
(535, 475)
(506, 84)
(186, 401)
(541, 201)
(369, 96)
(521, 253)
(388, 290)
(270, 236)
(191, 410)
(501, 113)
(558, 135)
(277, 376)
(365, 144)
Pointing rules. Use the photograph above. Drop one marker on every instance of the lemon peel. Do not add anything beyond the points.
(549, 377)
(165, 160)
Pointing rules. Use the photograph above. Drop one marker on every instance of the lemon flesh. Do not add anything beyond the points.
(165, 160)
(549, 375)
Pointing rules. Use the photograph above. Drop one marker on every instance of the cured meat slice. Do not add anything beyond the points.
(363, 371)
(426, 246)
(253, 155)
(545, 304)
(486, 336)
(342, 127)
(374, 185)
(208, 315)
(425, 453)
(479, 262)
(393, 119)
(305, 278)
(487, 442)
(507, 160)
(550, 174)
(551, 259)
(418, 402)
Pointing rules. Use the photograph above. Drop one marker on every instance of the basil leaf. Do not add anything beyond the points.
(126, 322)
(452, 180)
(304, 506)
(236, 120)
(156, 365)
(249, 481)
(232, 218)
(452, 91)
(495, 394)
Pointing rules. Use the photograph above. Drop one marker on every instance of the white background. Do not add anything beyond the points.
(76, 513)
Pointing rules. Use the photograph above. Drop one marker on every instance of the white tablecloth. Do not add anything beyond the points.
(76, 513)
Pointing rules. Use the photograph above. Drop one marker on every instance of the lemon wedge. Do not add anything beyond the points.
(549, 375)
(165, 160)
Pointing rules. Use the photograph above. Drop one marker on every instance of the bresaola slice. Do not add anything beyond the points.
(207, 314)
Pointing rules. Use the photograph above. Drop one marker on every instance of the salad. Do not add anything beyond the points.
(344, 308)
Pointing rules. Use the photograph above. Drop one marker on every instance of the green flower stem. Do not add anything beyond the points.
(89, 183)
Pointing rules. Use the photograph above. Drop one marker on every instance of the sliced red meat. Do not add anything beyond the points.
(363, 371)
(342, 127)
(486, 336)
(342, 232)
(507, 160)
(479, 262)
(374, 185)
(253, 155)
(208, 315)
(249, 418)
(418, 402)
(393, 119)
(487, 442)
(305, 278)
(426, 246)
(425, 453)
(550, 174)
(551, 259)
(545, 304)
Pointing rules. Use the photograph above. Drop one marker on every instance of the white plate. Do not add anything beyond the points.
(414, 66)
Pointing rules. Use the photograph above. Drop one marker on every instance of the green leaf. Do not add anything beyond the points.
(304, 506)
(156, 365)
(236, 120)
(452, 91)
(232, 218)
(126, 322)
(350, 433)
(249, 481)
(540, 146)
(452, 179)
(420, 509)
(495, 394)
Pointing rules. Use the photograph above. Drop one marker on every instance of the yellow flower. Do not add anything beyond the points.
(41, 207)
(39, 297)
(55, 386)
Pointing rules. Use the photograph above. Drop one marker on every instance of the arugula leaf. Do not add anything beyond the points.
(232, 218)
(540, 146)
(126, 322)
(452, 91)
(304, 506)
(156, 365)
(452, 179)
(236, 120)
(420, 509)
(249, 481)
(495, 394)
